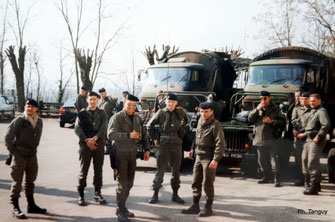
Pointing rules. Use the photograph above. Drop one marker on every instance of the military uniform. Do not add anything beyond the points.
(97, 119)
(119, 129)
(108, 105)
(317, 127)
(299, 121)
(266, 136)
(171, 131)
(81, 102)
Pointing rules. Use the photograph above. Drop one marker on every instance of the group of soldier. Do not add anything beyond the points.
(310, 122)
(122, 132)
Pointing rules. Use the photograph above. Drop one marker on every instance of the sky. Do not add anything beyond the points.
(188, 24)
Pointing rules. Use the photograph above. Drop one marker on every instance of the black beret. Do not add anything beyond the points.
(84, 88)
(94, 94)
(32, 102)
(305, 94)
(171, 96)
(132, 98)
(102, 90)
(265, 93)
(206, 105)
(125, 92)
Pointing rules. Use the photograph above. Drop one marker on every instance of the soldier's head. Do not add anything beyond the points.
(171, 101)
(159, 94)
(92, 100)
(83, 91)
(130, 104)
(206, 110)
(265, 98)
(31, 107)
(102, 93)
(304, 99)
(315, 100)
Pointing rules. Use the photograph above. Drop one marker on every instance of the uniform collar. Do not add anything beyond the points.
(207, 122)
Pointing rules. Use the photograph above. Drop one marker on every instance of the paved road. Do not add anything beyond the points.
(237, 198)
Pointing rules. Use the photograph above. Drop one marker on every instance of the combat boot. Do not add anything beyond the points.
(33, 208)
(277, 181)
(123, 210)
(307, 181)
(176, 198)
(81, 199)
(98, 197)
(194, 208)
(121, 214)
(17, 213)
(313, 190)
(122, 218)
(154, 198)
(207, 211)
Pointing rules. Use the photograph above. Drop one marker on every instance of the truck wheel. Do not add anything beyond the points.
(331, 165)
(61, 124)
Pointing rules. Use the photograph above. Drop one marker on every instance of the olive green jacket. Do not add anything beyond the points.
(107, 105)
(209, 139)
(318, 124)
(300, 116)
(119, 128)
(81, 102)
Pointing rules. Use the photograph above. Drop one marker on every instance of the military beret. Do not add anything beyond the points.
(206, 105)
(132, 98)
(84, 88)
(94, 94)
(102, 90)
(32, 102)
(171, 96)
(265, 93)
(305, 94)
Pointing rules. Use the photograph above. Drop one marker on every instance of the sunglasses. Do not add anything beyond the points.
(264, 98)
(130, 104)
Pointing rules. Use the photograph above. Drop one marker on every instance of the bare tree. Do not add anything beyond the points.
(2, 42)
(63, 83)
(150, 55)
(85, 64)
(38, 72)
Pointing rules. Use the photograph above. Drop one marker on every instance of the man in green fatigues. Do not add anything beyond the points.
(81, 101)
(91, 128)
(268, 121)
(22, 139)
(169, 142)
(125, 129)
(299, 121)
(106, 103)
(315, 134)
(210, 145)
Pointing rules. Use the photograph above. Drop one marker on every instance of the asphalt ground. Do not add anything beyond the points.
(237, 198)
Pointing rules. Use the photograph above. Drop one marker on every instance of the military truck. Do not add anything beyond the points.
(281, 71)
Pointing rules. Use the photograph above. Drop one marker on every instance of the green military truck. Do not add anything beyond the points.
(281, 71)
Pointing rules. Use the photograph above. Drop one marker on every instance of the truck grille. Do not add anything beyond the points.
(236, 139)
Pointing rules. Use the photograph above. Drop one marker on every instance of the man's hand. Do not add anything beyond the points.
(134, 135)
(315, 140)
(260, 106)
(300, 136)
(146, 156)
(91, 143)
(190, 155)
(156, 143)
(267, 119)
(295, 133)
(213, 164)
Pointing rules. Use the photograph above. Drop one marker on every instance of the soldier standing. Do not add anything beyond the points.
(91, 128)
(299, 121)
(125, 129)
(315, 132)
(106, 103)
(81, 102)
(268, 121)
(22, 139)
(210, 145)
(169, 142)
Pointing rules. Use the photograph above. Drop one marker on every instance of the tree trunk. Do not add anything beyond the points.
(85, 64)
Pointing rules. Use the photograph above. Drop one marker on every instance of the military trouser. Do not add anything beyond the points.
(173, 155)
(203, 174)
(311, 155)
(85, 157)
(298, 147)
(23, 165)
(268, 158)
(126, 166)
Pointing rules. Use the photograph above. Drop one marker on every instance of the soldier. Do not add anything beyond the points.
(210, 145)
(91, 128)
(125, 129)
(81, 102)
(22, 139)
(299, 121)
(315, 134)
(106, 103)
(169, 143)
(124, 95)
(268, 121)
(158, 100)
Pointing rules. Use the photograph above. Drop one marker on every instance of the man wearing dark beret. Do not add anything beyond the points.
(209, 148)
(91, 128)
(169, 141)
(81, 102)
(126, 131)
(299, 120)
(268, 121)
(22, 139)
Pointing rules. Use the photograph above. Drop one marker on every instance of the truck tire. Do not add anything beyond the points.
(331, 165)
(61, 124)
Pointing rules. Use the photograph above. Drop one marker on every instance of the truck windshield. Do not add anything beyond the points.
(163, 76)
(276, 75)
